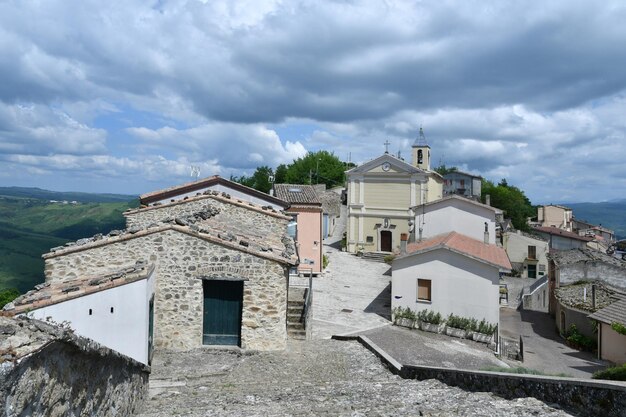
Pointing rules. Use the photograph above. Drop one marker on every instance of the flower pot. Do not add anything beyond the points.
(481, 337)
(432, 328)
(454, 332)
(406, 323)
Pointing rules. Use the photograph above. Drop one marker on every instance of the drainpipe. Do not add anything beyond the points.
(486, 233)
(593, 297)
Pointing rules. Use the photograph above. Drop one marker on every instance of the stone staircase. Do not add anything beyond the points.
(375, 256)
(295, 313)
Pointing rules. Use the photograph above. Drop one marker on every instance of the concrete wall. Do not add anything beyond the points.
(435, 188)
(612, 275)
(455, 215)
(250, 221)
(309, 238)
(382, 193)
(67, 376)
(612, 344)
(538, 299)
(553, 216)
(516, 247)
(572, 316)
(125, 329)
(181, 260)
(565, 243)
(460, 285)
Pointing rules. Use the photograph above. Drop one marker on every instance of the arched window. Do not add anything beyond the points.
(420, 156)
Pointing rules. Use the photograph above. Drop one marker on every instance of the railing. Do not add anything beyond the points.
(308, 300)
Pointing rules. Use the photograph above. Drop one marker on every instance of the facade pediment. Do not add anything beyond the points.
(386, 164)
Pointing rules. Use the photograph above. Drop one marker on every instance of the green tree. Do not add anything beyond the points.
(8, 295)
(260, 180)
(443, 169)
(316, 168)
(511, 200)
(280, 176)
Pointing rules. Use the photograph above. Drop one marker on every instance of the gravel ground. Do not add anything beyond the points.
(321, 377)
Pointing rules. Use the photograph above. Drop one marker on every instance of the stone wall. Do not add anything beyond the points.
(612, 275)
(251, 220)
(181, 262)
(47, 371)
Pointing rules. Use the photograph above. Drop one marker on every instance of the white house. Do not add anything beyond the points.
(456, 213)
(527, 253)
(450, 273)
(560, 239)
(113, 310)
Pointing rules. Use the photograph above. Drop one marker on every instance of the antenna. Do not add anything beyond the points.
(195, 171)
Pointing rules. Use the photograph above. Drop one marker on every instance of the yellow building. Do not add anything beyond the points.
(380, 195)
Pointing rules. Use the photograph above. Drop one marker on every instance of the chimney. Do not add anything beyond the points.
(486, 233)
(593, 296)
(488, 199)
(403, 239)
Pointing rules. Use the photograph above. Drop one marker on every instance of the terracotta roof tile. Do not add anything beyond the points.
(491, 254)
(555, 231)
(53, 293)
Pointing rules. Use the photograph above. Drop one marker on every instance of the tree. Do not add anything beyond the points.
(260, 180)
(443, 170)
(511, 200)
(8, 295)
(280, 176)
(316, 168)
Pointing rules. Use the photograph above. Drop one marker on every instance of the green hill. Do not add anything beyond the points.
(31, 226)
(39, 194)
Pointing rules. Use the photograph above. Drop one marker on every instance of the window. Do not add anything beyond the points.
(420, 156)
(532, 252)
(369, 239)
(423, 290)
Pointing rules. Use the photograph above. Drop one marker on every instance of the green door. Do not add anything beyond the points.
(222, 312)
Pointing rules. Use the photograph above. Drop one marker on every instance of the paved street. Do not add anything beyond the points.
(544, 349)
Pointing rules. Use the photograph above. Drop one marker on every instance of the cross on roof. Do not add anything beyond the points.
(387, 146)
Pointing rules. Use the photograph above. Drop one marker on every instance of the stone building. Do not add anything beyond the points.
(218, 268)
(381, 194)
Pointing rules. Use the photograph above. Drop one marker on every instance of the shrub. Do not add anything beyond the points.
(389, 258)
(579, 340)
(455, 321)
(618, 327)
(429, 316)
(486, 328)
(404, 313)
(324, 261)
(615, 373)
(8, 295)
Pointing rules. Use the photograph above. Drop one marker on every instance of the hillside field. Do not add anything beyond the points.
(30, 226)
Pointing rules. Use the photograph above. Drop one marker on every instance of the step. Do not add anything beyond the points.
(297, 334)
(295, 326)
(294, 316)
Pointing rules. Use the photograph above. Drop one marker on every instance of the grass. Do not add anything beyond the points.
(614, 373)
(521, 370)
(29, 227)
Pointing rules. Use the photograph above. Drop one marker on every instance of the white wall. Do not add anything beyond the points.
(125, 330)
(460, 285)
(234, 193)
(456, 216)
(516, 247)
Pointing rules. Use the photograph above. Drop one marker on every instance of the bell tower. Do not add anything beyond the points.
(421, 152)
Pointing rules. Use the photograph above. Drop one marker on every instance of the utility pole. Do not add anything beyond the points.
(317, 171)
(310, 176)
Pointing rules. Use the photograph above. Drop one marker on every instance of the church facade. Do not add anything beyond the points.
(380, 197)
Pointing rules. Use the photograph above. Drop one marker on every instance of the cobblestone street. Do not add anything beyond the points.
(321, 377)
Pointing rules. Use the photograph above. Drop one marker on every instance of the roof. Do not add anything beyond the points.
(297, 193)
(392, 160)
(574, 296)
(189, 187)
(555, 231)
(572, 256)
(464, 245)
(556, 205)
(59, 291)
(215, 195)
(331, 202)
(455, 197)
(199, 225)
(613, 313)
(462, 173)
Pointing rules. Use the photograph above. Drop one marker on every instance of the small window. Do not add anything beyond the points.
(424, 290)
(532, 252)
(111, 310)
(90, 312)
(370, 239)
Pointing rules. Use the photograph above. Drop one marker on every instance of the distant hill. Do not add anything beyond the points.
(610, 214)
(40, 194)
(30, 225)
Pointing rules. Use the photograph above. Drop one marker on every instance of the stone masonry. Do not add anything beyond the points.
(247, 217)
(46, 370)
(182, 259)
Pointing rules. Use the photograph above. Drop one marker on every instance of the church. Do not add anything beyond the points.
(380, 194)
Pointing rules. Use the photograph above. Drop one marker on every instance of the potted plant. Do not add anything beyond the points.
(484, 332)
(404, 317)
(429, 321)
(455, 326)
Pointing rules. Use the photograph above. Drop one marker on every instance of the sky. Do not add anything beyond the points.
(125, 96)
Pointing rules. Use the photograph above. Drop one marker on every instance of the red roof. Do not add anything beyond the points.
(560, 232)
(456, 242)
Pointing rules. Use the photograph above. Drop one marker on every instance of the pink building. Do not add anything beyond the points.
(306, 208)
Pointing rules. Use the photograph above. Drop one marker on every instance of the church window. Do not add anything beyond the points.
(420, 156)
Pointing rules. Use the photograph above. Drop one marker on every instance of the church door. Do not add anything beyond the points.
(222, 312)
(385, 241)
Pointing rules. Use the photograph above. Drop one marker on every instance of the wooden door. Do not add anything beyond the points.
(222, 312)
(385, 241)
